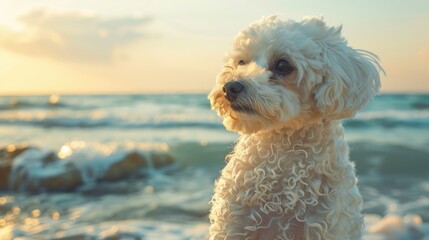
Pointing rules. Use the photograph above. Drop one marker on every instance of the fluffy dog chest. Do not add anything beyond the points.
(300, 180)
(280, 173)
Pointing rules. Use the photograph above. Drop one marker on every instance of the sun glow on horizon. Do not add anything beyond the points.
(68, 48)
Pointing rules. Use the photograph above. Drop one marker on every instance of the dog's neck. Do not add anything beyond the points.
(311, 141)
(306, 133)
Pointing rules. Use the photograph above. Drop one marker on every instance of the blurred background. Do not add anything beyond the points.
(106, 131)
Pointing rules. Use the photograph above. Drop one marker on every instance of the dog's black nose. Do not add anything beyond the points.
(232, 90)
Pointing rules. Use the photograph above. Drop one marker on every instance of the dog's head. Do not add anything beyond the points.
(287, 74)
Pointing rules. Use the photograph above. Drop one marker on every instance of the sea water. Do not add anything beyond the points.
(388, 140)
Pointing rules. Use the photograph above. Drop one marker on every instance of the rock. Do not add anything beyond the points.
(69, 179)
(78, 236)
(161, 159)
(39, 169)
(43, 170)
(124, 167)
(135, 161)
(5, 168)
(7, 155)
(11, 151)
(120, 235)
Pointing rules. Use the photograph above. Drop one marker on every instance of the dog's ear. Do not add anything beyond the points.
(350, 78)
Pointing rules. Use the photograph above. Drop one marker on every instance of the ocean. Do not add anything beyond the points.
(142, 166)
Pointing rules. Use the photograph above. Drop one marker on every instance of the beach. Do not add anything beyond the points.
(142, 166)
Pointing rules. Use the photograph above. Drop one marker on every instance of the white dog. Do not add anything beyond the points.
(285, 87)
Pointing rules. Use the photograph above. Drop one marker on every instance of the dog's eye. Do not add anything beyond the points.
(283, 67)
(241, 62)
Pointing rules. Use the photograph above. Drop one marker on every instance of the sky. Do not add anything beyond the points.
(148, 46)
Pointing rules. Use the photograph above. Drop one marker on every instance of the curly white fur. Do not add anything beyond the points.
(289, 176)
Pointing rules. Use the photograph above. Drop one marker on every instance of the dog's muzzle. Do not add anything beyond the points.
(232, 90)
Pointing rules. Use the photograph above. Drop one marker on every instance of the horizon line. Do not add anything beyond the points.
(18, 94)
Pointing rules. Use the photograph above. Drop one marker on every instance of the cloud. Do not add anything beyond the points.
(73, 36)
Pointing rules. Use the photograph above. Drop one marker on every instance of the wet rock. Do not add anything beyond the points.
(135, 161)
(7, 155)
(69, 179)
(119, 236)
(5, 168)
(81, 236)
(126, 166)
(38, 170)
(11, 151)
(107, 235)
(42, 170)
(161, 159)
